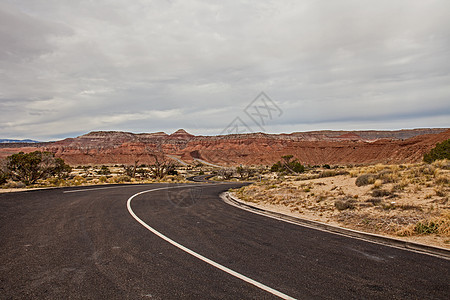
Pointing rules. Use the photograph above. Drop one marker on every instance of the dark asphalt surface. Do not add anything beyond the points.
(86, 245)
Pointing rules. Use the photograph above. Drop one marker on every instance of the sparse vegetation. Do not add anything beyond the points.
(384, 199)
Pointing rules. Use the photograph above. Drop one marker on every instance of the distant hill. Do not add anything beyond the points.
(310, 148)
(17, 141)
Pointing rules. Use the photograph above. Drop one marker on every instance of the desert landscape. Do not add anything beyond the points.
(373, 181)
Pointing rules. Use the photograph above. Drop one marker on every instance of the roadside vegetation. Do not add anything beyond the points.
(43, 169)
(406, 200)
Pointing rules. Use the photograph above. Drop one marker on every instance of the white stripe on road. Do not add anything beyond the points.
(199, 256)
(100, 188)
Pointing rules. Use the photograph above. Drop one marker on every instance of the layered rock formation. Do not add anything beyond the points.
(312, 148)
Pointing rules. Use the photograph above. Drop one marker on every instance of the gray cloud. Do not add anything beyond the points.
(69, 67)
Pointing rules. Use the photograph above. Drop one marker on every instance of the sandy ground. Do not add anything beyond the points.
(393, 212)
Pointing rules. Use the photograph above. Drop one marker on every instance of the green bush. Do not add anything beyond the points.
(287, 166)
(427, 227)
(30, 167)
(441, 151)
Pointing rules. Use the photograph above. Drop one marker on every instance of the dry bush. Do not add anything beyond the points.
(344, 204)
(382, 193)
(434, 225)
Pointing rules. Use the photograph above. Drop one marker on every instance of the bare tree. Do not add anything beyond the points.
(162, 166)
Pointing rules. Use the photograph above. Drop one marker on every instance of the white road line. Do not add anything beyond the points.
(199, 256)
(100, 188)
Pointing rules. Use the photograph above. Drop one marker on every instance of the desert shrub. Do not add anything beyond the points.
(344, 204)
(435, 225)
(427, 227)
(427, 170)
(442, 180)
(441, 151)
(381, 193)
(31, 167)
(120, 179)
(77, 180)
(287, 166)
(387, 176)
(104, 170)
(365, 179)
(103, 179)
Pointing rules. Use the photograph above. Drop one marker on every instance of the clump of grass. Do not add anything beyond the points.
(377, 184)
(387, 176)
(365, 179)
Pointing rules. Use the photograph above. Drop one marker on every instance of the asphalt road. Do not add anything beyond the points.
(61, 244)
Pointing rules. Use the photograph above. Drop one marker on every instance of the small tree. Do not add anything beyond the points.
(30, 167)
(441, 151)
(161, 167)
(287, 166)
(226, 173)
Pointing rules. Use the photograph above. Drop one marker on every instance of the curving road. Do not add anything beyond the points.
(84, 243)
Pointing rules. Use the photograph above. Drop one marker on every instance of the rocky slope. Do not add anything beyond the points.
(317, 147)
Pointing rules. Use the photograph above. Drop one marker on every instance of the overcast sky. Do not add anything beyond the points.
(69, 67)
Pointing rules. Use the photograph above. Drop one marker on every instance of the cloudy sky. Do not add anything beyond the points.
(70, 67)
